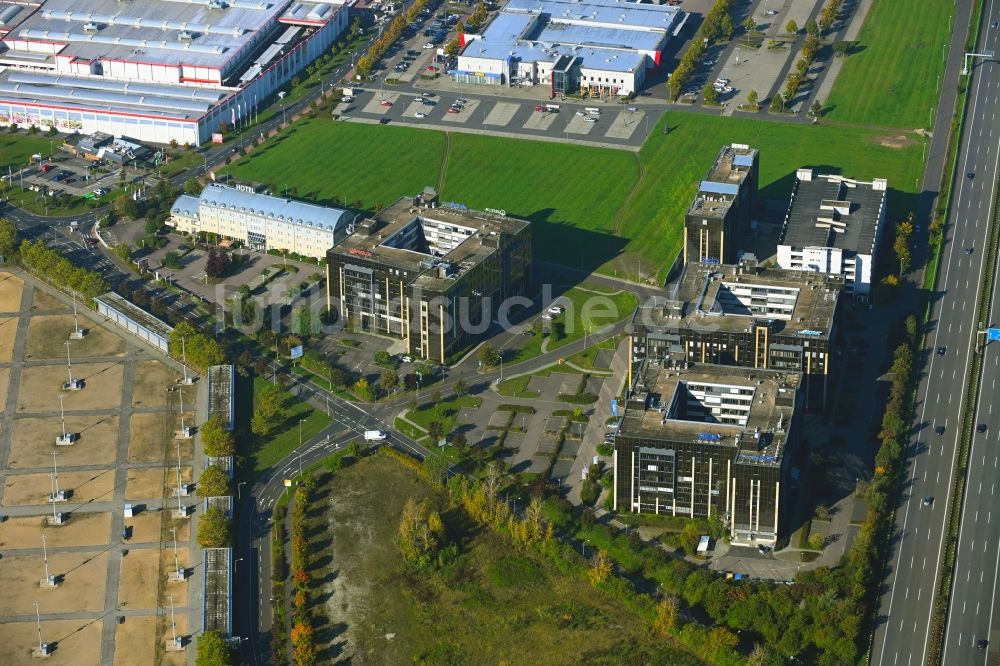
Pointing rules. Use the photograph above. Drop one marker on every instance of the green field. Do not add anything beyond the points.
(487, 602)
(587, 312)
(16, 149)
(893, 79)
(269, 451)
(591, 208)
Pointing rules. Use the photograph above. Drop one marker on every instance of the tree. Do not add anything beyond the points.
(172, 260)
(8, 236)
(811, 28)
(435, 430)
(489, 355)
(213, 482)
(153, 226)
(268, 402)
(213, 650)
(389, 379)
(364, 391)
(752, 100)
(461, 389)
(192, 186)
(792, 27)
(453, 46)
(260, 425)
(123, 252)
(817, 541)
(667, 615)
(382, 358)
(777, 104)
(217, 264)
(127, 207)
(710, 94)
(816, 110)
(214, 529)
(601, 569)
(458, 440)
(841, 48)
(689, 538)
(216, 438)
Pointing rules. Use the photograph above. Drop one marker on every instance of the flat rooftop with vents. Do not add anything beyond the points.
(721, 186)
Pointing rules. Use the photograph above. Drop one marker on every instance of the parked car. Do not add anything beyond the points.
(385, 103)
(419, 114)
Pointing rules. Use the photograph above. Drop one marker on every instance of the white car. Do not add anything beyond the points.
(556, 309)
(406, 358)
(722, 82)
(428, 45)
(418, 114)
(419, 99)
(589, 119)
(546, 316)
(581, 113)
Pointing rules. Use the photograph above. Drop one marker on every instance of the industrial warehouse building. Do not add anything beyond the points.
(600, 48)
(261, 221)
(722, 210)
(707, 441)
(833, 226)
(434, 275)
(744, 316)
(155, 70)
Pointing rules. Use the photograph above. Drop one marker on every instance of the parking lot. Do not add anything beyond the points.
(70, 175)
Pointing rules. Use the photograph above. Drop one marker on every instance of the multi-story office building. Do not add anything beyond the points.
(154, 70)
(261, 221)
(720, 214)
(744, 316)
(434, 275)
(708, 441)
(833, 226)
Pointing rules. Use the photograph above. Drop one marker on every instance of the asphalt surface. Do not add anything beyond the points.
(902, 634)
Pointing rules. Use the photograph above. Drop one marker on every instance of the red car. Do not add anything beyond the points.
(452, 109)
(432, 68)
(539, 108)
(385, 102)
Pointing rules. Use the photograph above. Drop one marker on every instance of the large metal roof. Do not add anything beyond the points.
(265, 205)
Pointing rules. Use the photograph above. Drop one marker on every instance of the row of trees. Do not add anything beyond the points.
(718, 24)
(269, 412)
(201, 351)
(303, 635)
(391, 33)
(41, 259)
(213, 650)
(217, 440)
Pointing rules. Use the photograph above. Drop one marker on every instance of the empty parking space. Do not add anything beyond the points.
(624, 124)
(577, 125)
(539, 121)
(501, 114)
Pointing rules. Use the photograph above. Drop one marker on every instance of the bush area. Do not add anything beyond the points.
(60, 271)
(197, 349)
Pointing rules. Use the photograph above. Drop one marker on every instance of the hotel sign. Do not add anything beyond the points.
(358, 252)
(496, 211)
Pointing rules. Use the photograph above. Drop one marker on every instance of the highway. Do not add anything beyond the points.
(902, 635)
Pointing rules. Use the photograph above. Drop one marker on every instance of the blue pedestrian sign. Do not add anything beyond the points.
(297, 352)
(993, 334)
(614, 408)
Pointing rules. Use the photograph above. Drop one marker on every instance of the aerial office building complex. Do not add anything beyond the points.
(154, 70)
(601, 48)
(745, 316)
(261, 221)
(721, 212)
(704, 441)
(434, 275)
(833, 226)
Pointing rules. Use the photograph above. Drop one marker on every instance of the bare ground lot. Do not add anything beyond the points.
(11, 288)
(82, 588)
(148, 527)
(83, 529)
(4, 383)
(22, 489)
(42, 384)
(152, 378)
(8, 331)
(150, 440)
(135, 642)
(48, 334)
(154, 482)
(140, 577)
(77, 641)
(34, 439)
(42, 300)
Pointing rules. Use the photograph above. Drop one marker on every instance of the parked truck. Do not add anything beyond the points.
(374, 435)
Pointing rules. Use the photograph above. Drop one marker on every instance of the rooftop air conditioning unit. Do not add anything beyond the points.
(185, 36)
(90, 27)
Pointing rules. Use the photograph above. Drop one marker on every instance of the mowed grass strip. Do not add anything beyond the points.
(892, 80)
(576, 196)
(349, 162)
(16, 149)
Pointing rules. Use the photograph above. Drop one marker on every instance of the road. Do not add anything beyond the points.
(902, 635)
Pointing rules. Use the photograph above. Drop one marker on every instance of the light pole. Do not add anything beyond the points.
(177, 566)
(239, 495)
(69, 367)
(55, 478)
(38, 623)
(300, 446)
(45, 558)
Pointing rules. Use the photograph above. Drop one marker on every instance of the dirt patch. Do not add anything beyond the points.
(8, 331)
(11, 288)
(152, 378)
(42, 384)
(151, 440)
(34, 439)
(4, 383)
(148, 527)
(897, 141)
(77, 641)
(21, 489)
(43, 300)
(140, 578)
(165, 633)
(48, 334)
(83, 529)
(153, 483)
(135, 642)
(82, 589)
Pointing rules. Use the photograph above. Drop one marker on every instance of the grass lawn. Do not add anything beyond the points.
(16, 149)
(268, 451)
(590, 207)
(587, 313)
(488, 603)
(585, 359)
(34, 202)
(444, 412)
(893, 80)
(517, 387)
(346, 162)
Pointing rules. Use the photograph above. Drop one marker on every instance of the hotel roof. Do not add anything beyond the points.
(265, 205)
(833, 211)
(719, 189)
(609, 13)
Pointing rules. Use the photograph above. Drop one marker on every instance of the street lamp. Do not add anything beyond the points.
(238, 486)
